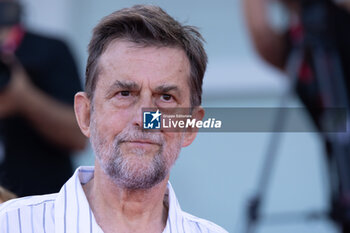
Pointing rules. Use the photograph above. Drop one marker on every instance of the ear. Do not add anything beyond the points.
(82, 112)
(190, 134)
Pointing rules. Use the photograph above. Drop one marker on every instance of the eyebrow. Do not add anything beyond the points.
(125, 85)
(167, 88)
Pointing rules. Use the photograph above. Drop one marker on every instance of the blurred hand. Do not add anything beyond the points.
(11, 97)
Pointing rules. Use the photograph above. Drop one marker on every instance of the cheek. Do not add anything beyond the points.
(112, 123)
(173, 142)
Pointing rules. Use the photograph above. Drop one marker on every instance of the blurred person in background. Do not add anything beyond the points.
(275, 47)
(38, 129)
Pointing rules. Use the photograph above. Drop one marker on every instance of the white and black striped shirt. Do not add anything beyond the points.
(68, 211)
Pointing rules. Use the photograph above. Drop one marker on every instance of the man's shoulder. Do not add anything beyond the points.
(24, 202)
(201, 224)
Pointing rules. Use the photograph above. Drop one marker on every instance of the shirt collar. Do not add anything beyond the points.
(73, 213)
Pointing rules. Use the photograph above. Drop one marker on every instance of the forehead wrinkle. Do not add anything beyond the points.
(132, 53)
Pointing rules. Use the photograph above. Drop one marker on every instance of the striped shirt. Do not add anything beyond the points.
(68, 211)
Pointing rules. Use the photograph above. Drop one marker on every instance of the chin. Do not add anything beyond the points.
(135, 172)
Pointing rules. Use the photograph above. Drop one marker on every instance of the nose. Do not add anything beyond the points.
(145, 102)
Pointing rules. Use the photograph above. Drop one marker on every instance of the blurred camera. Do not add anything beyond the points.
(10, 14)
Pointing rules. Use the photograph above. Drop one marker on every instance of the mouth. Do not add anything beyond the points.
(142, 142)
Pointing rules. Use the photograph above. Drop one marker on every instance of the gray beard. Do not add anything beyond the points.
(122, 170)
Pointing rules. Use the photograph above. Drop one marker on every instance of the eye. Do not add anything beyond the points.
(124, 93)
(166, 97)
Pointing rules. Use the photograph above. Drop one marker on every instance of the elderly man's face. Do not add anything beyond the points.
(131, 78)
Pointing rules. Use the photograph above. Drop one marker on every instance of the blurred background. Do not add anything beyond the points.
(216, 175)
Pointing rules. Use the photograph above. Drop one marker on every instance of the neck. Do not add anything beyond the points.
(121, 210)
